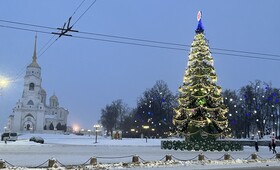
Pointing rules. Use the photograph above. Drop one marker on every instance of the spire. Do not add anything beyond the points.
(34, 53)
(34, 58)
(199, 28)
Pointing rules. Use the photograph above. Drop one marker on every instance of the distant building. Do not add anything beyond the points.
(31, 113)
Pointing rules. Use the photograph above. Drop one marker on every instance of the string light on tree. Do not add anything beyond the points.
(201, 109)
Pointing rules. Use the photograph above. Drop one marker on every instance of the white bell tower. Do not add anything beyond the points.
(28, 114)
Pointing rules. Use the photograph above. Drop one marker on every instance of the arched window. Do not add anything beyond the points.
(58, 126)
(31, 86)
(51, 127)
(29, 115)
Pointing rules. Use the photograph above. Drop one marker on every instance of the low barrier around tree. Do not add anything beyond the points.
(203, 145)
(136, 161)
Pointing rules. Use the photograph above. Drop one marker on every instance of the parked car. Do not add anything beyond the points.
(8, 136)
(37, 139)
(79, 134)
(66, 133)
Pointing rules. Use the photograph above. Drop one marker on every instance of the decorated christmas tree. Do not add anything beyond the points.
(201, 112)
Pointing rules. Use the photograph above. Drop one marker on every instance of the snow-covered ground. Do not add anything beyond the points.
(117, 154)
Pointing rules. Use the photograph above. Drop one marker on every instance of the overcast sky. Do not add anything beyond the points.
(86, 74)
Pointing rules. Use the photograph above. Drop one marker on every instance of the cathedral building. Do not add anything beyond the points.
(32, 113)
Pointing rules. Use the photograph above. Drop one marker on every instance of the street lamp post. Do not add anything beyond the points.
(146, 127)
(96, 131)
(89, 131)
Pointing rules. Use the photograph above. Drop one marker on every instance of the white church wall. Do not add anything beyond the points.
(31, 112)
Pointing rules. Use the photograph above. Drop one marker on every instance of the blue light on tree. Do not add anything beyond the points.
(266, 88)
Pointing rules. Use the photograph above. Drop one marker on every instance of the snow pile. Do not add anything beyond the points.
(173, 164)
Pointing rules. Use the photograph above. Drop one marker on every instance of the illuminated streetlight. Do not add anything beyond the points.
(76, 128)
(146, 127)
(96, 126)
(4, 82)
(259, 134)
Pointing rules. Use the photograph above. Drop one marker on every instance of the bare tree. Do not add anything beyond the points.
(112, 116)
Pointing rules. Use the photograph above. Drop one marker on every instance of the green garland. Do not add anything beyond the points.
(202, 145)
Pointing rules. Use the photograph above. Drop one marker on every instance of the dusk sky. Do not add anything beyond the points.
(87, 74)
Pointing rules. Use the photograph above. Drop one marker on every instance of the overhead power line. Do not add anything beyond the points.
(148, 45)
(64, 30)
(25, 29)
(40, 31)
(26, 24)
(172, 48)
(246, 52)
(174, 44)
(127, 38)
(39, 55)
(78, 8)
(134, 39)
(46, 44)
(84, 12)
(246, 56)
(130, 43)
